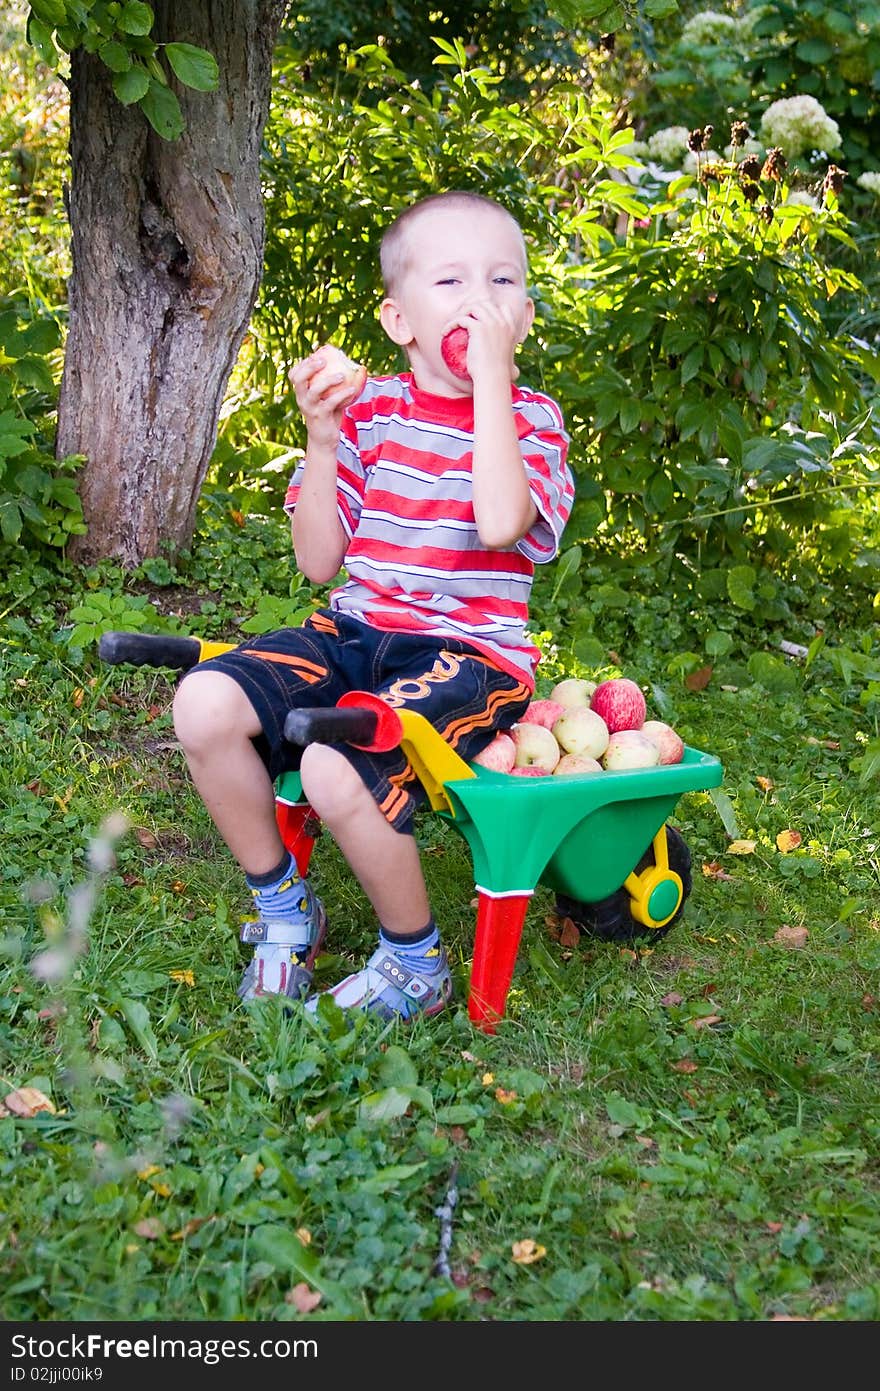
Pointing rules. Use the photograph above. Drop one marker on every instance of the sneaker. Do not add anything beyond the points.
(388, 986)
(283, 957)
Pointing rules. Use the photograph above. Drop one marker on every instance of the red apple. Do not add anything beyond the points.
(535, 745)
(581, 730)
(338, 371)
(574, 690)
(531, 770)
(670, 744)
(630, 748)
(545, 712)
(571, 763)
(620, 703)
(453, 350)
(499, 755)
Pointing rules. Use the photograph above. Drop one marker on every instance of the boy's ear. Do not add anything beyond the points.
(528, 319)
(394, 322)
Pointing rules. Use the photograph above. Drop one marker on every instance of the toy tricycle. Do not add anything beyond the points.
(599, 840)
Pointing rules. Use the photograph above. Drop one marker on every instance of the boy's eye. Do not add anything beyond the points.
(503, 280)
(448, 280)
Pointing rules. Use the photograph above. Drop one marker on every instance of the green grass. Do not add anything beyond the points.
(684, 1132)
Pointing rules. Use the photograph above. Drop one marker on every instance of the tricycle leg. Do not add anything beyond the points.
(499, 929)
(298, 826)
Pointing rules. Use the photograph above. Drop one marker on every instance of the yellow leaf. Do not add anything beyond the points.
(162, 1189)
(26, 1102)
(765, 784)
(504, 1097)
(304, 1235)
(184, 977)
(488, 1078)
(148, 1172)
(742, 847)
(788, 840)
(527, 1251)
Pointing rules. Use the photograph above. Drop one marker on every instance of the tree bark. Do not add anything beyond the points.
(167, 254)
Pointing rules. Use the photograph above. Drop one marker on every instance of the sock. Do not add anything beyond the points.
(420, 950)
(281, 896)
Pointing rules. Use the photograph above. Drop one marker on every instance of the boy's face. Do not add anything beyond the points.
(454, 257)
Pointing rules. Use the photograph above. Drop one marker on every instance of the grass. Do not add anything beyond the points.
(682, 1132)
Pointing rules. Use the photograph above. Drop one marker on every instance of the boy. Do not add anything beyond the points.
(437, 490)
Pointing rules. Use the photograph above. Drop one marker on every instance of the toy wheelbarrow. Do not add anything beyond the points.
(599, 840)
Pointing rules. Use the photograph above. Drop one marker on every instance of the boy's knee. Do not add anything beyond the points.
(207, 705)
(331, 785)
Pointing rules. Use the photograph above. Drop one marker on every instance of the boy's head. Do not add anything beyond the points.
(442, 258)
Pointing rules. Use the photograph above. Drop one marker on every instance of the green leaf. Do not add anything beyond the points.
(626, 1115)
(397, 1068)
(387, 1105)
(135, 18)
(724, 808)
(115, 56)
(10, 519)
(772, 673)
(740, 586)
(162, 110)
(40, 37)
(137, 1017)
(51, 12)
(131, 86)
(386, 1180)
(195, 67)
(34, 371)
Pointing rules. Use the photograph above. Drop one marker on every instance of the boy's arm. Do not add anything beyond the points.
(503, 507)
(319, 539)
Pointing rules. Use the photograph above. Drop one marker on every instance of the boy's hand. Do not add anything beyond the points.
(494, 334)
(325, 383)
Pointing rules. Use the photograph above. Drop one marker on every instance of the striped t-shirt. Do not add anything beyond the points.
(415, 562)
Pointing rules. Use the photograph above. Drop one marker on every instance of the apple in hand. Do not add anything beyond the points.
(581, 730)
(630, 748)
(499, 755)
(571, 763)
(535, 747)
(545, 712)
(620, 703)
(453, 350)
(670, 744)
(574, 690)
(338, 364)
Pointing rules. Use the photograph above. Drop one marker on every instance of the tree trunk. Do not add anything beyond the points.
(167, 241)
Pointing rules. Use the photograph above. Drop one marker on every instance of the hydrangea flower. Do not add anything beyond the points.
(870, 180)
(799, 124)
(669, 144)
(710, 27)
(801, 198)
(748, 147)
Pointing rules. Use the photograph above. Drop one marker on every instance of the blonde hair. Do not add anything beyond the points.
(394, 247)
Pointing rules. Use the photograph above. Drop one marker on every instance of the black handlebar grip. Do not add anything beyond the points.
(149, 650)
(331, 726)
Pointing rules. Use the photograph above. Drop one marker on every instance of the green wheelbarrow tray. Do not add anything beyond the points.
(580, 834)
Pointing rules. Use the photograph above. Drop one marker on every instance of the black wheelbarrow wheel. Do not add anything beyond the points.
(611, 919)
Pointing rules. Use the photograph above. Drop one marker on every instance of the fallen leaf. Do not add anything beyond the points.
(504, 1097)
(698, 680)
(706, 1020)
(646, 1142)
(236, 516)
(178, 886)
(27, 1102)
(569, 935)
(774, 1227)
(150, 1228)
(303, 1298)
(78, 697)
(713, 870)
(36, 786)
(183, 977)
(189, 1227)
(868, 1002)
(469, 1057)
(527, 1251)
(162, 1189)
(673, 998)
(304, 1236)
(791, 936)
(788, 840)
(146, 838)
(742, 847)
(765, 784)
(685, 1065)
(148, 1172)
(488, 1078)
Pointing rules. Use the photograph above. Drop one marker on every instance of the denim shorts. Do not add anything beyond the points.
(459, 691)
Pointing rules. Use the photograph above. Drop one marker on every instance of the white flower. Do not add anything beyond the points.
(799, 124)
(870, 180)
(803, 199)
(669, 144)
(748, 147)
(710, 27)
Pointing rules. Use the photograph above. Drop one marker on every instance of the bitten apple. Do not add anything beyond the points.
(545, 712)
(620, 703)
(535, 747)
(571, 763)
(453, 350)
(581, 730)
(630, 748)
(670, 744)
(338, 372)
(574, 690)
(499, 756)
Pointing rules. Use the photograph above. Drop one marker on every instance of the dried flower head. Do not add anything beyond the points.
(749, 168)
(739, 133)
(751, 191)
(833, 181)
(767, 213)
(774, 165)
(695, 140)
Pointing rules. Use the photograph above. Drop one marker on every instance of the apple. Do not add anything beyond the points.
(535, 746)
(531, 770)
(620, 703)
(581, 730)
(453, 350)
(670, 744)
(338, 364)
(574, 690)
(545, 712)
(630, 748)
(499, 755)
(576, 763)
